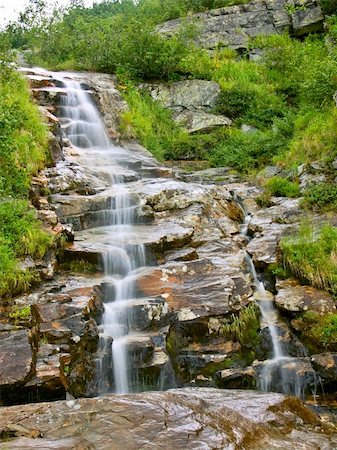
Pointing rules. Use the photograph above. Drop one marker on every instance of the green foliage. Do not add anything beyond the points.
(82, 266)
(20, 235)
(311, 254)
(305, 72)
(20, 314)
(23, 141)
(318, 331)
(243, 327)
(154, 127)
(315, 138)
(247, 151)
(280, 187)
(320, 196)
(23, 145)
(253, 103)
(278, 271)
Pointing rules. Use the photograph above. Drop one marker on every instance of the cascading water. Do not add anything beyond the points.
(84, 129)
(280, 373)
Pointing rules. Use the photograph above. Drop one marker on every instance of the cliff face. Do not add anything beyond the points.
(233, 26)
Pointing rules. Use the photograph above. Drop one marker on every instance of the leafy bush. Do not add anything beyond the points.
(318, 332)
(311, 254)
(280, 187)
(320, 196)
(247, 151)
(304, 71)
(252, 103)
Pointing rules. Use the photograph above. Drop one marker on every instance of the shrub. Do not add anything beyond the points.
(311, 254)
(280, 187)
(315, 138)
(320, 196)
(318, 332)
(247, 151)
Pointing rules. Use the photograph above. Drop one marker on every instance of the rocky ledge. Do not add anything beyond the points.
(187, 418)
(234, 26)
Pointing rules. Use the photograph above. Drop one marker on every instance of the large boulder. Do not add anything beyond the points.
(193, 95)
(188, 418)
(200, 121)
(16, 358)
(325, 365)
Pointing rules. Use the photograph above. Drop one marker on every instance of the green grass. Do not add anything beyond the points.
(311, 254)
(319, 332)
(243, 327)
(321, 196)
(281, 187)
(23, 151)
(153, 125)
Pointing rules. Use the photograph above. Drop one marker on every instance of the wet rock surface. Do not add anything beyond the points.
(189, 418)
(294, 298)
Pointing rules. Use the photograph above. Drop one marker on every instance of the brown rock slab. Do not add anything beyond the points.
(16, 357)
(46, 444)
(187, 418)
(195, 289)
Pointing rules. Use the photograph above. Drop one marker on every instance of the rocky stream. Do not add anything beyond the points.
(159, 309)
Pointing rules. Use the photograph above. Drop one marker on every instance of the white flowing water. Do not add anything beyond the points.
(282, 372)
(83, 127)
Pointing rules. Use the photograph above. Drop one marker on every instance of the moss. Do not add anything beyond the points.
(82, 266)
(318, 332)
(19, 314)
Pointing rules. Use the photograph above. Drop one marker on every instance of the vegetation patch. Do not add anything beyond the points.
(281, 187)
(23, 151)
(243, 327)
(321, 196)
(311, 254)
(318, 332)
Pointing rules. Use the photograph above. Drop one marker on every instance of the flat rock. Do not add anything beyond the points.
(200, 121)
(295, 298)
(187, 418)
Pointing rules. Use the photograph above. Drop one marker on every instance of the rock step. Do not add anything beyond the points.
(90, 245)
(105, 217)
(138, 313)
(72, 205)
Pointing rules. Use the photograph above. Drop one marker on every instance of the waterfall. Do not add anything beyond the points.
(280, 373)
(83, 127)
